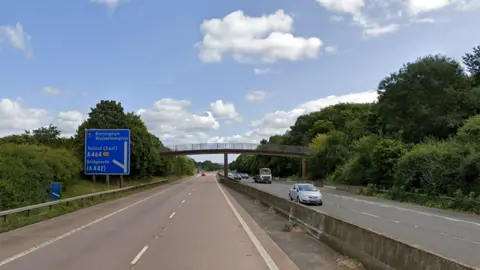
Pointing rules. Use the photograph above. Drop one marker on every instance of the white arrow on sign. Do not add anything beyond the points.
(125, 153)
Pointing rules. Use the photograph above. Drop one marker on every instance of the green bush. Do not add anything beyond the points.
(431, 167)
(27, 170)
(374, 162)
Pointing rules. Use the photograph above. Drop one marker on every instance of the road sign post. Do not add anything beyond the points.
(107, 152)
(55, 191)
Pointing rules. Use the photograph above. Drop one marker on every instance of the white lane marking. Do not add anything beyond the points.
(466, 240)
(135, 260)
(368, 214)
(189, 194)
(266, 257)
(406, 209)
(53, 240)
(444, 234)
(171, 216)
(183, 201)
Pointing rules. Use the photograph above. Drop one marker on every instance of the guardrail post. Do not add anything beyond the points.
(5, 218)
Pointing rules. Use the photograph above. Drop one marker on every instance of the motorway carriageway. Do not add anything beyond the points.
(451, 234)
(191, 224)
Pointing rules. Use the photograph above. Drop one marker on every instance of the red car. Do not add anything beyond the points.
(204, 174)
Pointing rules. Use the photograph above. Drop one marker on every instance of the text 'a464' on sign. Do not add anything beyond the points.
(107, 151)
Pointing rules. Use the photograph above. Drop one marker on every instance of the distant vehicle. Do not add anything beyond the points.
(305, 193)
(204, 174)
(237, 177)
(244, 175)
(265, 176)
(230, 175)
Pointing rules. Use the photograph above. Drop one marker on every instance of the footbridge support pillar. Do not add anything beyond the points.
(225, 164)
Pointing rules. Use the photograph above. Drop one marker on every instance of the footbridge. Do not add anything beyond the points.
(238, 148)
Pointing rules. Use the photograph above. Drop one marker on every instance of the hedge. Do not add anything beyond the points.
(26, 172)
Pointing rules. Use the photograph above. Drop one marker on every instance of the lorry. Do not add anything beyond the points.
(264, 176)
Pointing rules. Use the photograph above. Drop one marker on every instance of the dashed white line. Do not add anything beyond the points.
(189, 194)
(368, 214)
(173, 214)
(466, 240)
(183, 201)
(139, 255)
(53, 240)
(444, 234)
(407, 210)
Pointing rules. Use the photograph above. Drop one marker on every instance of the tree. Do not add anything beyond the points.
(429, 97)
(472, 61)
(47, 135)
(208, 165)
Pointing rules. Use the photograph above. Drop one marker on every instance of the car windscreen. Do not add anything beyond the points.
(307, 188)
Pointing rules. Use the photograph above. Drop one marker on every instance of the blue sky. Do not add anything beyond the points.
(197, 76)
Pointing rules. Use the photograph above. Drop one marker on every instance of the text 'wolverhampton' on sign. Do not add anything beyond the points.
(107, 151)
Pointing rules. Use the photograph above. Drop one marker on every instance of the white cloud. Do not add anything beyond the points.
(336, 18)
(225, 111)
(68, 122)
(330, 49)
(343, 6)
(422, 20)
(17, 38)
(280, 121)
(14, 117)
(264, 71)
(256, 96)
(51, 90)
(173, 123)
(170, 120)
(380, 17)
(112, 4)
(380, 30)
(423, 6)
(269, 38)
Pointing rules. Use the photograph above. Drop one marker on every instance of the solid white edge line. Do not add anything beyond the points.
(173, 214)
(53, 240)
(139, 255)
(266, 257)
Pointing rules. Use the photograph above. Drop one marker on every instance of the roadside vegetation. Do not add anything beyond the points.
(208, 166)
(419, 142)
(29, 162)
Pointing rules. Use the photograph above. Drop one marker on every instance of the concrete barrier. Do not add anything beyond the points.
(374, 250)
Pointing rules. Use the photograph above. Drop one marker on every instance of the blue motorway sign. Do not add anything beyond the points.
(107, 151)
(55, 190)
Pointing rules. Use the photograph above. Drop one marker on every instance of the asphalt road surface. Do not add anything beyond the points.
(193, 224)
(451, 234)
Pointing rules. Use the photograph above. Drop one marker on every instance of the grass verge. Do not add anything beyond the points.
(83, 187)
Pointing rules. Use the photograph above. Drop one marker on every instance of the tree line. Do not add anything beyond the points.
(29, 162)
(208, 166)
(421, 136)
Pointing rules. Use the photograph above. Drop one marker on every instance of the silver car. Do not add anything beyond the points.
(305, 193)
